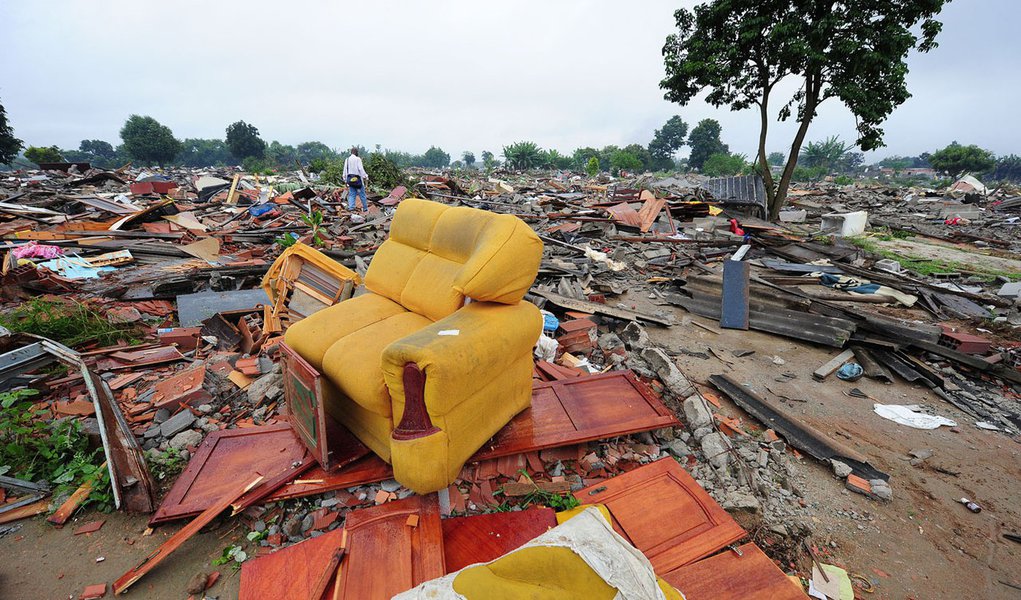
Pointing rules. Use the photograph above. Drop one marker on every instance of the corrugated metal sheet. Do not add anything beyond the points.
(744, 190)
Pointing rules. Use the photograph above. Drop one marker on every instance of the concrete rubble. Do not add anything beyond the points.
(822, 277)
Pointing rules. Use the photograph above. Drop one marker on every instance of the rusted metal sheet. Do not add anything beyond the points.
(734, 303)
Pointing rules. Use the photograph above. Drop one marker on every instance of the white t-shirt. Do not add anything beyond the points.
(353, 166)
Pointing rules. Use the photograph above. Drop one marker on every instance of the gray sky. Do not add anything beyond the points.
(460, 74)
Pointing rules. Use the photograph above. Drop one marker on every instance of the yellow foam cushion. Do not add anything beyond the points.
(430, 289)
(534, 573)
(391, 268)
(504, 264)
(353, 362)
(462, 352)
(312, 336)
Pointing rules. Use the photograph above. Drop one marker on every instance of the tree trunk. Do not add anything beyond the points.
(812, 89)
(767, 174)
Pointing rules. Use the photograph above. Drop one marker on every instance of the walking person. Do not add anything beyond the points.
(355, 177)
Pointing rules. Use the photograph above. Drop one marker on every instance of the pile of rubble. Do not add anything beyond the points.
(179, 259)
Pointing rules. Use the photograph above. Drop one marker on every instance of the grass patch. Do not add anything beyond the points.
(33, 448)
(924, 266)
(70, 323)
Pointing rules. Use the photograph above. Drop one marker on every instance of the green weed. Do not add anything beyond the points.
(70, 323)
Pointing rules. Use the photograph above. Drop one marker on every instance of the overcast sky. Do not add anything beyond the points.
(460, 74)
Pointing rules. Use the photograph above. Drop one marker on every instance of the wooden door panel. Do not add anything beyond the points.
(482, 538)
(388, 553)
(727, 576)
(665, 514)
(221, 459)
(291, 572)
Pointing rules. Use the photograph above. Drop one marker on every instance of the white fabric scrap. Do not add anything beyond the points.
(450, 332)
(906, 416)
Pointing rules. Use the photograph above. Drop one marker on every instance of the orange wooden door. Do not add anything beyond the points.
(664, 513)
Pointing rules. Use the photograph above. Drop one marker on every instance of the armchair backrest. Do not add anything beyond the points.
(437, 255)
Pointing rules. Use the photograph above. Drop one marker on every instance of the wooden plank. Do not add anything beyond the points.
(602, 309)
(482, 538)
(580, 410)
(221, 457)
(728, 576)
(664, 513)
(29, 510)
(167, 548)
(832, 365)
(386, 554)
(292, 572)
(649, 211)
(62, 514)
(370, 469)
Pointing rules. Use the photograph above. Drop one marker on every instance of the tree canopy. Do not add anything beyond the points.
(9, 145)
(826, 153)
(855, 51)
(666, 141)
(147, 141)
(705, 141)
(956, 160)
(40, 155)
(469, 158)
(523, 155)
(244, 141)
(435, 158)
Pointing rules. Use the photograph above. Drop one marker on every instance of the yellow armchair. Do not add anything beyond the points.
(435, 357)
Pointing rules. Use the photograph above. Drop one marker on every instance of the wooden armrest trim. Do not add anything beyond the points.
(415, 422)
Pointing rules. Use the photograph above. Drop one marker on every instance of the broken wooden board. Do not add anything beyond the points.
(797, 434)
(166, 548)
(597, 308)
(482, 538)
(728, 576)
(582, 409)
(221, 458)
(370, 469)
(388, 553)
(291, 572)
(832, 365)
(664, 513)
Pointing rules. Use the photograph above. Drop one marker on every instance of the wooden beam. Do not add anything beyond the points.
(835, 363)
(175, 541)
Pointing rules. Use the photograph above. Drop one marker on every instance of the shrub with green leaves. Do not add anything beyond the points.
(70, 323)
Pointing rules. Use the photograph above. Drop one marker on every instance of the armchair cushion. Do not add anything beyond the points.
(352, 362)
(312, 336)
(489, 338)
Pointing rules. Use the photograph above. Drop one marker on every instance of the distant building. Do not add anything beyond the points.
(924, 173)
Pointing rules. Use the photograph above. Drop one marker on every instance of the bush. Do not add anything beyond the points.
(724, 165)
(383, 172)
(43, 155)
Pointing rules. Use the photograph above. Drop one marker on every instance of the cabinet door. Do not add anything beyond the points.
(664, 513)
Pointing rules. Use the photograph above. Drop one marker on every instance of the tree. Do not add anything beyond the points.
(1008, 168)
(281, 155)
(823, 154)
(775, 159)
(9, 145)
(40, 155)
(643, 155)
(622, 160)
(555, 160)
(468, 158)
(244, 141)
(666, 142)
(488, 160)
(956, 160)
(523, 155)
(435, 158)
(383, 172)
(705, 141)
(592, 167)
(98, 148)
(148, 142)
(606, 157)
(724, 164)
(855, 51)
(309, 151)
(581, 157)
(197, 152)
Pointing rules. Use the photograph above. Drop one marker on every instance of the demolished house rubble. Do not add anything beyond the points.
(207, 269)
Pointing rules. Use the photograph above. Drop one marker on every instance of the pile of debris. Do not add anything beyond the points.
(204, 270)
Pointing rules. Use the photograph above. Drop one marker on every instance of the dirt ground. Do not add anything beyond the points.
(921, 545)
(40, 562)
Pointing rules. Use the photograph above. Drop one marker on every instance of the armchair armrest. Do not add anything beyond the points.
(432, 370)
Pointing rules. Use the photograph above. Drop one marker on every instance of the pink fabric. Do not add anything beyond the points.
(34, 250)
